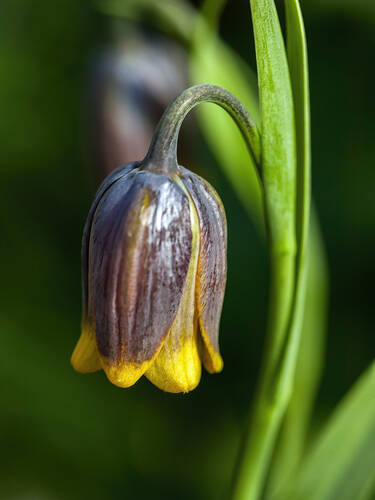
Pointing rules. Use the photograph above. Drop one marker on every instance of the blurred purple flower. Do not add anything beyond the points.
(131, 86)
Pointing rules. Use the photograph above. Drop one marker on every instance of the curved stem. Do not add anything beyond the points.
(162, 154)
(275, 381)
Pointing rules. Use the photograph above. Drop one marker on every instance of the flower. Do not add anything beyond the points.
(154, 273)
(131, 82)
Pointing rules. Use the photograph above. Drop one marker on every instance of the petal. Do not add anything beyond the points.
(85, 357)
(117, 174)
(140, 249)
(177, 367)
(212, 266)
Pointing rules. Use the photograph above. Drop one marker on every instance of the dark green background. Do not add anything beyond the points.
(69, 436)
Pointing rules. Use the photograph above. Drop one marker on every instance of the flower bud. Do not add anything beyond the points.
(154, 273)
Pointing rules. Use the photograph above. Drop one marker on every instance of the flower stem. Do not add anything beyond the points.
(163, 148)
(275, 385)
(275, 381)
(287, 77)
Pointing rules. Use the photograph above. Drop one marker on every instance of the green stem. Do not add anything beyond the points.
(275, 386)
(273, 392)
(163, 149)
(280, 180)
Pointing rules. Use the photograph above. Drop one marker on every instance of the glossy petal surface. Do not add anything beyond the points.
(212, 265)
(177, 367)
(140, 248)
(117, 174)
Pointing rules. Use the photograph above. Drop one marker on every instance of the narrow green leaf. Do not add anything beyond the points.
(213, 61)
(278, 131)
(279, 183)
(293, 437)
(298, 67)
(341, 464)
(295, 425)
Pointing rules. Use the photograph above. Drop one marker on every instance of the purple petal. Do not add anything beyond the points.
(117, 174)
(212, 264)
(140, 250)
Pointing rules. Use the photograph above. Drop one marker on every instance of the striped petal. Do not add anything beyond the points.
(212, 265)
(85, 358)
(117, 174)
(177, 367)
(140, 248)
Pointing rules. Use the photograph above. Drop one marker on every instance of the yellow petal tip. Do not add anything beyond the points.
(211, 358)
(85, 357)
(176, 370)
(124, 375)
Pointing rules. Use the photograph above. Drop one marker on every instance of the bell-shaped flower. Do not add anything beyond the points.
(154, 273)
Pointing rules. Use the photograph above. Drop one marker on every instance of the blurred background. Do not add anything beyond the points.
(82, 87)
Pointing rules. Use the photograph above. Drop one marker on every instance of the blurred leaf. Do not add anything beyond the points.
(364, 8)
(212, 61)
(341, 463)
(174, 17)
(211, 12)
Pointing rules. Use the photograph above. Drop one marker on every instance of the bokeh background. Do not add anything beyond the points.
(69, 436)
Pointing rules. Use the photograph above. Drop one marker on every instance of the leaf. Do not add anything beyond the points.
(279, 184)
(215, 62)
(296, 421)
(298, 67)
(295, 429)
(341, 464)
(175, 17)
(278, 131)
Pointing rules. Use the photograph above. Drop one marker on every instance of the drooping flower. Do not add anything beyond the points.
(154, 273)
